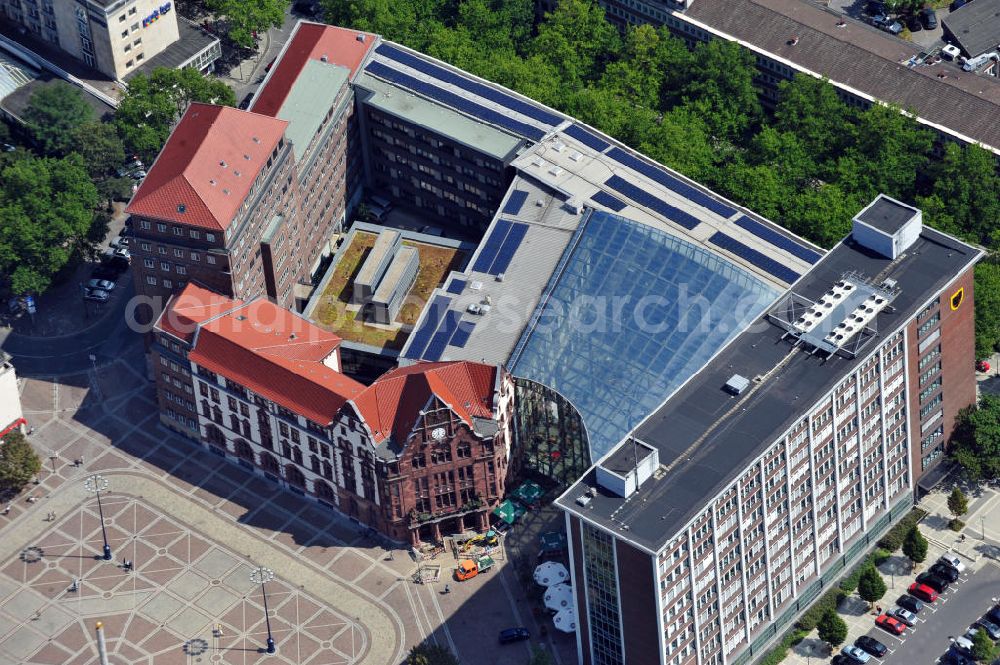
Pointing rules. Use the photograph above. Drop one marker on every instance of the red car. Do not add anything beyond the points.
(890, 624)
(982, 365)
(923, 592)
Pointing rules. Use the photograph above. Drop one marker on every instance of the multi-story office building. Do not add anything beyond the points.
(115, 37)
(731, 507)
(421, 452)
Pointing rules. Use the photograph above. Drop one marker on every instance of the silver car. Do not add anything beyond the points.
(102, 284)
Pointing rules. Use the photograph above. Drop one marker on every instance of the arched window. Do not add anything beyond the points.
(323, 490)
(215, 436)
(294, 476)
(269, 463)
(243, 450)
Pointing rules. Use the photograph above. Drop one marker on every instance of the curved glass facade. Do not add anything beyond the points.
(550, 434)
(630, 313)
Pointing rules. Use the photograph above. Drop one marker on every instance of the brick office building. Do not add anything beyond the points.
(422, 452)
(730, 509)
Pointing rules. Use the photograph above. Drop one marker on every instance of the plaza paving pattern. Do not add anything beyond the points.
(195, 525)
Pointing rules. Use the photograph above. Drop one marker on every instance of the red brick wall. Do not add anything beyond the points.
(583, 627)
(636, 582)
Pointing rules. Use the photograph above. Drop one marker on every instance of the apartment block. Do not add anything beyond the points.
(755, 485)
(422, 452)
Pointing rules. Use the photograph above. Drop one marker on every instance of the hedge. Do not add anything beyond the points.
(893, 539)
(780, 652)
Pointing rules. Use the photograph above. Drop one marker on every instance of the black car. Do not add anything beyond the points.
(913, 23)
(929, 17)
(871, 645)
(876, 8)
(935, 582)
(245, 104)
(955, 658)
(910, 603)
(943, 571)
(994, 614)
(510, 635)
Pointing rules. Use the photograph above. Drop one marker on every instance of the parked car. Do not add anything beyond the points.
(994, 615)
(890, 623)
(982, 365)
(876, 8)
(113, 264)
(944, 571)
(102, 284)
(913, 23)
(910, 604)
(907, 617)
(962, 645)
(955, 658)
(923, 592)
(992, 629)
(871, 645)
(509, 635)
(933, 581)
(856, 654)
(96, 295)
(929, 17)
(8, 147)
(122, 253)
(957, 4)
(245, 104)
(952, 560)
(883, 22)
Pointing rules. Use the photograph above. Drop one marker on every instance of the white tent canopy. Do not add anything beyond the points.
(565, 620)
(559, 597)
(551, 573)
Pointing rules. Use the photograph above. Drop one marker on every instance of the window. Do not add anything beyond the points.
(140, 57)
(164, 266)
(151, 280)
(194, 234)
(161, 249)
(129, 64)
(210, 259)
(162, 228)
(210, 237)
(124, 35)
(168, 284)
(195, 256)
(137, 41)
(149, 263)
(135, 26)
(181, 270)
(131, 12)
(145, 246)
(121, 19)
(179, 253)
(144, 225)
(178, 231)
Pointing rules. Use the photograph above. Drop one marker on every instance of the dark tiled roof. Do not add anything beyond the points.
(192, 41)
(976, 26)
(862, 58)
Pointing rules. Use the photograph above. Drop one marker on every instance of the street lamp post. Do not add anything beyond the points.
(982, 526)
(97, 484)
(261, 575)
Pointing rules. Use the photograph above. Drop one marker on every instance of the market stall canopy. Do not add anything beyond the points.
(551, 573)
(508, 511)
(528, 493)
(565, 620)
(559, 597)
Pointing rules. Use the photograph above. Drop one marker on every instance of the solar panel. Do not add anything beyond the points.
(758, 259)
(492, 245)
(586, 138)
(514, 203)
(657, 174)
(461, 335)
(509, 247)
(454, 101)
(644, 198)
(777, 239)
(608, 201)
(465, 83)
(443, 335)
(457, 286)
(439, 305)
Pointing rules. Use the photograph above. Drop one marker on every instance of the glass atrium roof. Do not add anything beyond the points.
(630, 313)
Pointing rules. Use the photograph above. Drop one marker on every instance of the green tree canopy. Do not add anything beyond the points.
(810, 109)
(101, 148)
(54, 114)
(958, 503)
(47, 209)
(983, 648)
(977, 439)
(915, 545)
(831, 628)
(987, 307)
(431, 654)
(247, 17)
(152, 104)
(721, 88)
(576, 39)
(871, 586)
(18, 462)
(540, 656)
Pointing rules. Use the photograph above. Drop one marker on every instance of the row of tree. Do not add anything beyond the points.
(810, 165)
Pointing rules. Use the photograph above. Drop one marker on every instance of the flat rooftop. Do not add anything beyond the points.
(707, 437)
(192, 40)
(887, 215)
(862, 58)
(309, 100)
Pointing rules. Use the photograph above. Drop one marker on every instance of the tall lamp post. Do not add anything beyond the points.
(97, 484)
(261, 575)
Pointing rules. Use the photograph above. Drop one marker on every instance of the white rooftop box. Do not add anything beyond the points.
(887, 226)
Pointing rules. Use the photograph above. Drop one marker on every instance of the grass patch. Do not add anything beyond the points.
(332, 312)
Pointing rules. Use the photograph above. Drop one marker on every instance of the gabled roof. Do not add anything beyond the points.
(392, 404)
(206, 169)
(270, 350)
(311, 41)
(190, 307)
(975, 26)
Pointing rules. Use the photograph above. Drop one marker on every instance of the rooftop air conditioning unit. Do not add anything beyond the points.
(583, 500)
(500, 277)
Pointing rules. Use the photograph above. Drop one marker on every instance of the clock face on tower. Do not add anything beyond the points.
(438, 433)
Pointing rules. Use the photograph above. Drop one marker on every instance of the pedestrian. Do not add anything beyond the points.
(447, 588)
(75, 586)
(218, 630)
(6, 510)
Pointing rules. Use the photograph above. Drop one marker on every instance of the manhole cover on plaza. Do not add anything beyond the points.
(107, 594)
(162, 550)
(215, 582)
(195, 647)
(32, 554)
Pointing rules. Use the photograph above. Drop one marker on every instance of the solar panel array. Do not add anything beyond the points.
(514, 203)
(454, 101)
(644, 198)
(435, 312)
(587, 138)
(457, 286)
(608, 201)
(762, 261)
(500, 246)
(465, 83)
(776, 239)
(461, 335)
(657, 174)
(447, 328)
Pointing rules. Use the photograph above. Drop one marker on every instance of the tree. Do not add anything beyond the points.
(431, 654)
(47, 207)
(871, 586)
(958, 503)
(983, 648)
(245, 18)
(976, 441)
(577, 40)
(153, 103)
(810, 109)
(965, 180)
(721, 89)
(53, 115)
(18, 462)
(915, 546)
(540, 656)
(831, 628)
(987, 306)
(101, 148)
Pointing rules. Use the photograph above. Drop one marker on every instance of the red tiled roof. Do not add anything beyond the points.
(207, 167)
(190, 307)
(311, 41)
(392, 404)
(271, 351)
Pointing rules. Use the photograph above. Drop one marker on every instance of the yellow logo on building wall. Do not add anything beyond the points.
(957, 297)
